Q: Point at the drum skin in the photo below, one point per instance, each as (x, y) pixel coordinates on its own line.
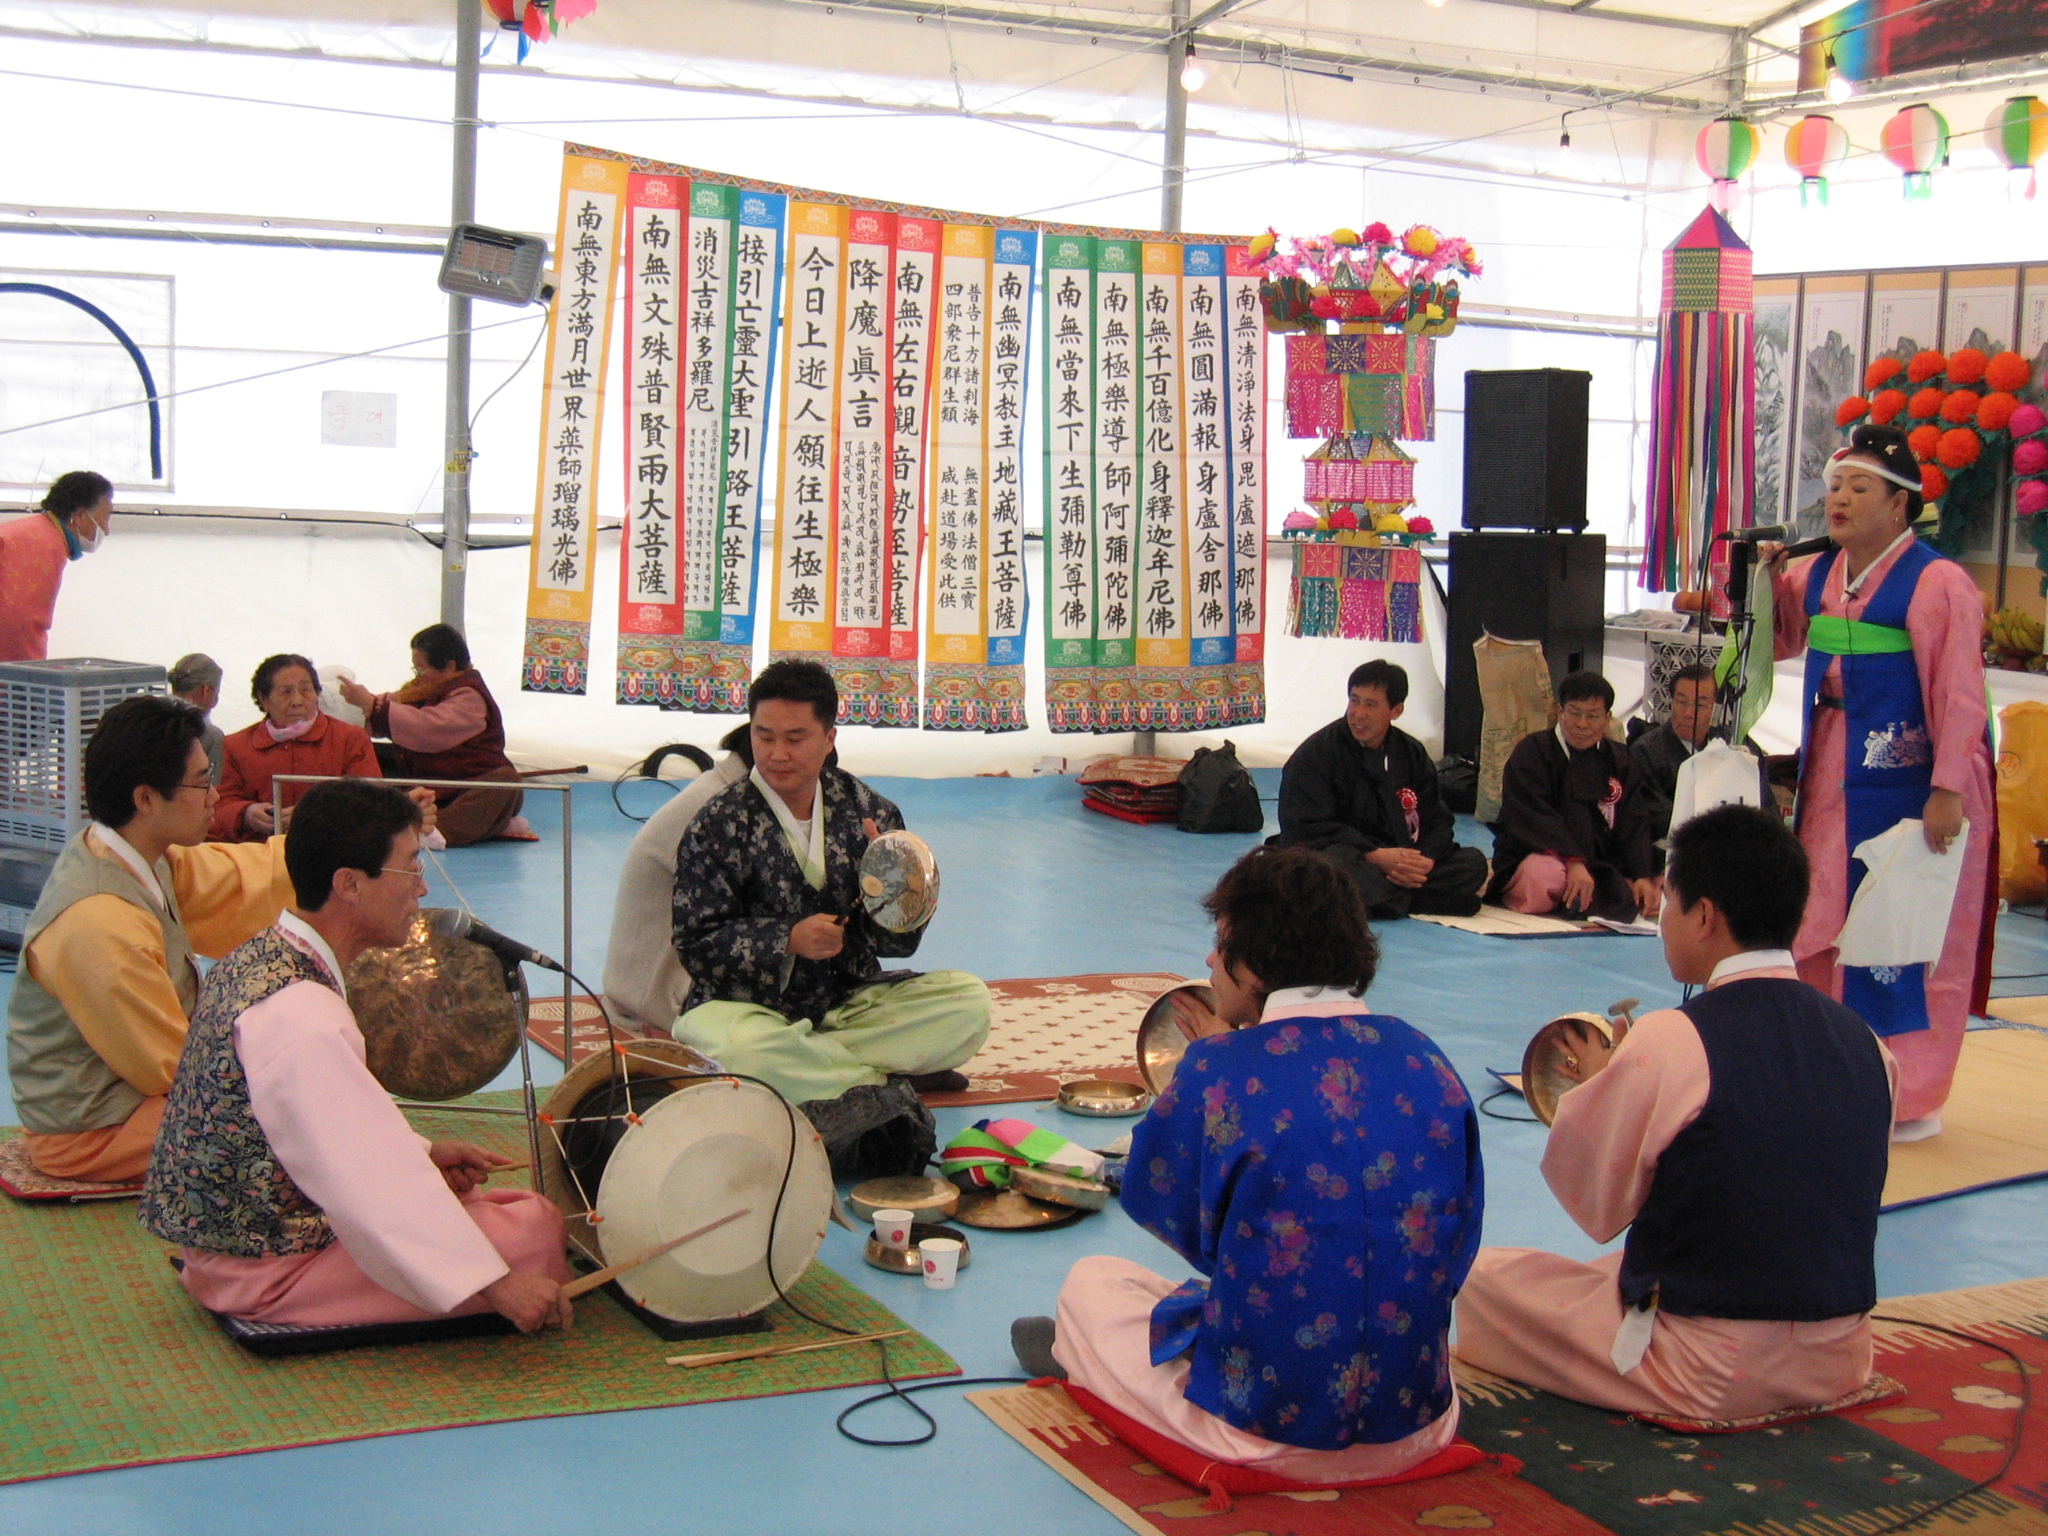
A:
(440, 1014)
(706, 1150)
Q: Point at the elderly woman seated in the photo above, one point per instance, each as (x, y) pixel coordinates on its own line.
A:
(444, 724)
(293, 737)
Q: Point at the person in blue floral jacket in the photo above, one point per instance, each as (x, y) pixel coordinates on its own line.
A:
(1318, 1165)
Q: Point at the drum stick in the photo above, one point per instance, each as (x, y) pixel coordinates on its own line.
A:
(724, 1356)
(610, 1272)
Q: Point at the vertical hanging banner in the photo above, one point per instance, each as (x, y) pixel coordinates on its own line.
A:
(1006, 602)
(1162, 678)
(915, 327)
(1205, 409)
(1069, 483)
(587, 238)
(801, 623)
(660, 454)
(1117, 426)
(956, 646)
(721, 664)
(874, 689)
(1245, 403)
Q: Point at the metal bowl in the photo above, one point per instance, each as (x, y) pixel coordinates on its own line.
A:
(927, 1199)
(1058, 1188)
(1545, 1078)
(1161, 1040)
(1105, 1097)
(1012, 1210)
(899, 881)
(904, 1261)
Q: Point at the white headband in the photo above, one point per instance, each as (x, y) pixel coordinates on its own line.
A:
(1841, 456)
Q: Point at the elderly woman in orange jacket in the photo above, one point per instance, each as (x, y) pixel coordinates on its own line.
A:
(34, 550)
(292, 737)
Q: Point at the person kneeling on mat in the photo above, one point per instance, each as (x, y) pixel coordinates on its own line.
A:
(1741, 1139)
(283, 1170)
(785, 980)
(1320, 1164)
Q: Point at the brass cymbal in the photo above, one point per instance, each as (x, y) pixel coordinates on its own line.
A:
(440, 1014)
(1553, 1056)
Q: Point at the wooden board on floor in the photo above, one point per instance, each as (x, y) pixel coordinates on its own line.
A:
(2031, 1011)
(1994, 1128)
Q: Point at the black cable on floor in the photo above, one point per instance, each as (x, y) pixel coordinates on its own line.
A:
(931, 1424)
(1505, 1092)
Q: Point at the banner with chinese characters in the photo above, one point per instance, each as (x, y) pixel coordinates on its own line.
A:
(702, 262)
(587, 238)
(1154, 485)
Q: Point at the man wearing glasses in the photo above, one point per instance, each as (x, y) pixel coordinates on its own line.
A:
(108, 971)
(1572, 835)
(285, 1172)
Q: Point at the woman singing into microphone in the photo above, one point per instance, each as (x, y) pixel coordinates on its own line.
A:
(1894, 730)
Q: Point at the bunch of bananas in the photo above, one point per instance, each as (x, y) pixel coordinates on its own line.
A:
(2013, 640)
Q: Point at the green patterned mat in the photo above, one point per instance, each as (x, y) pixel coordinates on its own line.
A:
(105, 1362)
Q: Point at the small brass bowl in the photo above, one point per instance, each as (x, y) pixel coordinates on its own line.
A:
(1104, 1097)
(927, 1199)
(905, 1261)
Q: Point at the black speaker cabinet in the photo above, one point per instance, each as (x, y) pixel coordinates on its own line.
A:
(1520, 586)
(1525, 448)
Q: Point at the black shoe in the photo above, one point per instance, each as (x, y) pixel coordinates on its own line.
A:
(1031, 1341)
(940, 1082)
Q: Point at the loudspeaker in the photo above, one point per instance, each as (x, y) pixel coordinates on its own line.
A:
(1525, 448)
(1520, 586)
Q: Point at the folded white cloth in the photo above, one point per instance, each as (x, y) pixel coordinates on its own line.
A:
(1901, 912)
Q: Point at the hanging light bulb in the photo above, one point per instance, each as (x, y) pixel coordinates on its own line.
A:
(1840, 87)
(1435, 5)
(1564, 135)
(1193, 74)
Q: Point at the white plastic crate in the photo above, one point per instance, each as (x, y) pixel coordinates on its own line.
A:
(48, 710)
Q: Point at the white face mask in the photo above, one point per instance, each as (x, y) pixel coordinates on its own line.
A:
(90, 537)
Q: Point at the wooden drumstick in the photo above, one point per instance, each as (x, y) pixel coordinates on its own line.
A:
(610, 1272)
(725, 1356)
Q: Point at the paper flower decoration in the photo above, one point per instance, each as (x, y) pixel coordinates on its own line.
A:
(1885, 406)
(1418, 524)
(1933, 483)
(1966, 366)
(1815, 145)
(1915, 139)
(2031, 498)
(1924, 366)
(1959, 448)
(1298, 520)
(1420, 241)
(1959, 406)
(2027, 420)
(1996, 411)
(2030, 458)
(2017, 132)
(1925, 404)
(1882, 371)
(1343, 517)
(2008, 371)
(1378, 234)
(1922, 440)
(1855, 408)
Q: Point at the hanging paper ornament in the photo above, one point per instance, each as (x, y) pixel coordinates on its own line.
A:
(1726, 149)
(1815, 146)
(2018, 133)
(1915, 139)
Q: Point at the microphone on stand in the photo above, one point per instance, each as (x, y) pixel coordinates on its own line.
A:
(1776, 533)
(511, 951)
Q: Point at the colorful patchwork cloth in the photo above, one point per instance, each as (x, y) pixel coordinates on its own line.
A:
(984, 1153)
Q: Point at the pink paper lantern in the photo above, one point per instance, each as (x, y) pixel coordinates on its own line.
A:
(2026, 421)
(2031, 497)
(2030, 457)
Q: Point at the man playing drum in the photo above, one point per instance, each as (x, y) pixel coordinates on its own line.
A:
(285, 1172)
(786, 976)
(1742, 1141)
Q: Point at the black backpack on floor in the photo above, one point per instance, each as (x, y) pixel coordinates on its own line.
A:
(1217, 793)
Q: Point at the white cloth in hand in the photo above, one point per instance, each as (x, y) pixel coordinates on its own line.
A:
(1901, 912)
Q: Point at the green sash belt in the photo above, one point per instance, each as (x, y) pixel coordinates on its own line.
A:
(1836, 636)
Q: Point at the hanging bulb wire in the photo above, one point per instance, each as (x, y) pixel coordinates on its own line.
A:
(1193, 73)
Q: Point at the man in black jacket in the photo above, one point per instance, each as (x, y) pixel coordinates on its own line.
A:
(1364, 794)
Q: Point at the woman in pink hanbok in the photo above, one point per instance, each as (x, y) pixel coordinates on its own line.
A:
(1895, 717)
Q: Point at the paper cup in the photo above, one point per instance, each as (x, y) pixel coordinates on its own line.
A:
(939, 1257)
(892, 1229)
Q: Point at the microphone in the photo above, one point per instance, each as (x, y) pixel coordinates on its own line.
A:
(511, 951)
(1767, 533)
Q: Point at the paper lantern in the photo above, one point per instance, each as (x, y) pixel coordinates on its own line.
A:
(1815, 146)
(1915, 139)
(1726, 149)
(2017, 131)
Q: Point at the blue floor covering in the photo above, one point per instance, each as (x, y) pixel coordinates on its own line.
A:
(1033, 886)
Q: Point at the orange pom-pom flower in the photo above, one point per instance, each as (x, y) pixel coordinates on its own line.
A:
(1926, 404)
(1959, 406)
(1966, 365)
(2008, 372)
(1855, 408)
(1922, 440)
(1882, 372)
(1924, 366)
(1885, 406)
(1995, 412)
(1958, 448)
(1933, 483)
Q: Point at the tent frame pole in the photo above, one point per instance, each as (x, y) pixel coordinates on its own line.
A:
(455, 423)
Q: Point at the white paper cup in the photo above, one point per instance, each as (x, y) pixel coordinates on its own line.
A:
(892, 1229)
(939, 1258)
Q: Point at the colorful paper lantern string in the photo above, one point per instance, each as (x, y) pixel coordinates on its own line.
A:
(1915, 139)
(2017, 131)
(1814, 146)
(1726, 149)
